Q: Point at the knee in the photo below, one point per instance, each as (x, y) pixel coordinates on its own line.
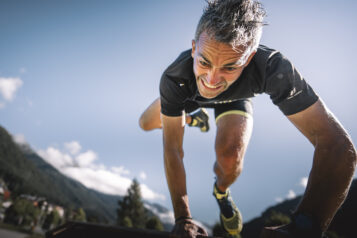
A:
(143, 124)
(230, 159)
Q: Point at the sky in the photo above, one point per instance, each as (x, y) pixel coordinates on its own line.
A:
(75, 77)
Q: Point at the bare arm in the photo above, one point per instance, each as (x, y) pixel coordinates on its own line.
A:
(173, 131)
(333, 165)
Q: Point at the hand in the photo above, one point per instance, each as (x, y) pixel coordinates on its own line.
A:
(188, 229)
(276, 232)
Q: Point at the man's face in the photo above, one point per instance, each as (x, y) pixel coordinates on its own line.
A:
(216, 65)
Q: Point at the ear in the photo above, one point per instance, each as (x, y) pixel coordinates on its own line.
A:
(250, 58)
(193, 48)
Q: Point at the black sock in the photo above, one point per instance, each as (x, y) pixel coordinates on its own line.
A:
(225, 205)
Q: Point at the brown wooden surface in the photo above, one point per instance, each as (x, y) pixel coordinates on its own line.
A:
(272, 232)
(89, 230)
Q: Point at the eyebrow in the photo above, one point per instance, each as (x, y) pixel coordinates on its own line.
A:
(229, 64)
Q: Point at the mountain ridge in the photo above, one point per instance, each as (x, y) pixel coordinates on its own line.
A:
(343, 223)
(28, 173)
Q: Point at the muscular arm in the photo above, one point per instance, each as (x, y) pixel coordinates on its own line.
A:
(173, 130)
(333, 164)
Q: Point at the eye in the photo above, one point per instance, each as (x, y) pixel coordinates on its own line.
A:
(230, 68)
(204, 63)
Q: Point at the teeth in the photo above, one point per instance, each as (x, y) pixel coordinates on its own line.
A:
(210, 86)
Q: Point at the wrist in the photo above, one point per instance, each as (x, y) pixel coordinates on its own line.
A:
(181, 207)
(183, 219)
(304, 225)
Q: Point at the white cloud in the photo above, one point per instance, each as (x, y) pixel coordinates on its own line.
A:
(303, 182)
(120, 170)
(86, 159)
(166, 217)
(19, 139)
(99, 179)
(291, 194)
(147, 193)
(56, 158)
(142, 175)
(73, 147)
(9, 86)
(84, 168)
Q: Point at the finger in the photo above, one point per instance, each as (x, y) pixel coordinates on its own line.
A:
(202, 231)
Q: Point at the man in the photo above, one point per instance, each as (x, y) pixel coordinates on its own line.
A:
(224, 69)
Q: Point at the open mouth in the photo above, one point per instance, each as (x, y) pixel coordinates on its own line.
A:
(210, 87)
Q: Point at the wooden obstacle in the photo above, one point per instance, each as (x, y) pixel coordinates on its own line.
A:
(90, 230)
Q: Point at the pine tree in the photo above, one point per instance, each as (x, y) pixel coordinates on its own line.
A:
(21, 212)
(154, 223)
(277, 219)
(132, 207)
(80, 215)
(52, 220)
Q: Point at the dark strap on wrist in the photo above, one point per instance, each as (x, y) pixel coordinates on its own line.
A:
(181, 218)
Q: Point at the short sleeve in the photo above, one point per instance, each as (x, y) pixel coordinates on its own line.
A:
(172, 96)
(286, 87)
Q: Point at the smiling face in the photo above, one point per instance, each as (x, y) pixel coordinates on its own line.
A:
(216, 65)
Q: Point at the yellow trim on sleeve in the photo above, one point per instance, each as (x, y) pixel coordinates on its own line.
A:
(234, 112)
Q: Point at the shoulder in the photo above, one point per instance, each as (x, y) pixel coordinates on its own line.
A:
(179, 76)
(265, 54)
(259, 69)
(175, 84)
(272, 63)
(269, 59)
(182, 67)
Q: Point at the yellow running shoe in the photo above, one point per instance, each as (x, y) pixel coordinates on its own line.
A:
(230, 217)
(200, 120)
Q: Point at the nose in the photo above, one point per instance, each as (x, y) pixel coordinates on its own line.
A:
(213, 77)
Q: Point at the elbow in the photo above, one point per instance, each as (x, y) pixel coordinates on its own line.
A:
(349, 151)
(353, 156)
(344, 150)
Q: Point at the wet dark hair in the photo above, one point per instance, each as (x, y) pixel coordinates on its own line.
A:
(235, 22)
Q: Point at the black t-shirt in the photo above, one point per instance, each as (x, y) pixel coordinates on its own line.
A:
(268, 72)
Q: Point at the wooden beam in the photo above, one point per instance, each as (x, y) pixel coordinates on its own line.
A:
(91, 230)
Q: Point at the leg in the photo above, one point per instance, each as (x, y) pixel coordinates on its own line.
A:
(233, 134)
(150, 119)
(234, 128)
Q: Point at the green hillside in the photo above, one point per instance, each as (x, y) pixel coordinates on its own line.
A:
(27, 173)
(343, 223)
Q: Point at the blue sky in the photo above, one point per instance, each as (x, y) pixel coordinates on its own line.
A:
(76, 75)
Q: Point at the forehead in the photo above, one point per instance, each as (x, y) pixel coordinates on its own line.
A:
(217, 51)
